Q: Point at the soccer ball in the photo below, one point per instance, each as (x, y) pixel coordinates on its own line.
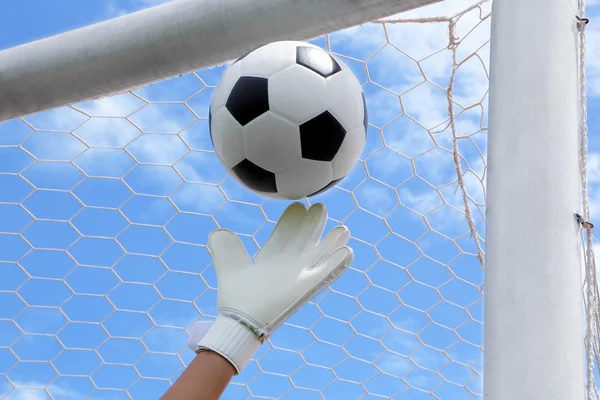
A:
(288, 120)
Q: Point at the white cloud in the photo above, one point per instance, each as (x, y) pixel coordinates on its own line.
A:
(378, 199)
(427, 103)
(593, 55)
(396, 365)
(594, 183)
(112, 8)
(188, 197)
(422, 202)
(152, 3)
(34, 390)
(445, 8)
(410, 142)
(117, 105)
(594, 167)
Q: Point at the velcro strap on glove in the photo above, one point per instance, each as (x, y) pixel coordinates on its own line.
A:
(229, 338)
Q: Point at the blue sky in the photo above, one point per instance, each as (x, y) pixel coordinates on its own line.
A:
(107, 205)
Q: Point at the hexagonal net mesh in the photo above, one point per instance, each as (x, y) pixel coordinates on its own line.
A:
(106, 205)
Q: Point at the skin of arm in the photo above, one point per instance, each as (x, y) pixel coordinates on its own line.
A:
(205, 378)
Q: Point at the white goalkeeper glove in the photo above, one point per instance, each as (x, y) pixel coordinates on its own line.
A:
(255, 298)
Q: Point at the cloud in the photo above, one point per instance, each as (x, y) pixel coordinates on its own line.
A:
(189, 198)
(594, 182)
(378, 199)
(593, 59)
(34, 390)
(427, 103)
(118, 105)
(594, 167)
(446, 8)
(113, 9)
(422, 202)
(152, 3)
(396, 365)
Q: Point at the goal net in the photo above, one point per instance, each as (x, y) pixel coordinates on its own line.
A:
(105, 208)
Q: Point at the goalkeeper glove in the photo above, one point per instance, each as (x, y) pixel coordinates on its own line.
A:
(255, 297)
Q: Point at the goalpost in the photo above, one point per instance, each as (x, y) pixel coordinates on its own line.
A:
(533, 318)
(165, 41)
(534, 346)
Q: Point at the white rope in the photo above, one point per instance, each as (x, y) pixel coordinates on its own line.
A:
(591, 283)
(453, 43)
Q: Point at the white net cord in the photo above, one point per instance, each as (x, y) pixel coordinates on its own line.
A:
(591, 301)
(453, 42)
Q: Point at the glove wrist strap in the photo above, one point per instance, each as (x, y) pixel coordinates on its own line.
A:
(231, 340)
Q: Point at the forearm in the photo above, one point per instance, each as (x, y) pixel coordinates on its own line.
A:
(205, 378)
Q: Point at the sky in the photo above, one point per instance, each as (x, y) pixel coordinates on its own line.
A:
(106, 207)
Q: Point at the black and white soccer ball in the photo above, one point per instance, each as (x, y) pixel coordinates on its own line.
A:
(288, 120)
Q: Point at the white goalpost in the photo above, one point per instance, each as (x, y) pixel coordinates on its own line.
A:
(165, 41)
(533, 302)
(533, 331)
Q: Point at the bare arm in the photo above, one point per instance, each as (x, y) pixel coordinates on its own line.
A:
(205, 378)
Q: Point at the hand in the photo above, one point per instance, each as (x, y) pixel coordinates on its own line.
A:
(255, 297)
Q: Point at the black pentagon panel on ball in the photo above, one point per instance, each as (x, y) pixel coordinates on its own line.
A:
(321, 137)
(366, 117)
(327, 187)
(249, 99)
(210, 127)
(317, 60)
(255, 177)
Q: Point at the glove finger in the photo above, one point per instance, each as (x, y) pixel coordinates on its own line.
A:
(329, 270)
(310, 231)
(311, 282)
(284, 231)
(338, 237)
(227, 250)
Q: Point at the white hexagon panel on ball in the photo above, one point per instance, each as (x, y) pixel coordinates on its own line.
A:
(288, 120)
